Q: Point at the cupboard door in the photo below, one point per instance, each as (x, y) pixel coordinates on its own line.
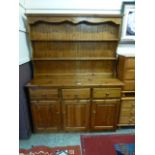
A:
(46, 115)
(104, 114)
(76, 115)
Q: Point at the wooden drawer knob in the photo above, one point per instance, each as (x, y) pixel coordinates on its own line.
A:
(94, 112)
(107, 94)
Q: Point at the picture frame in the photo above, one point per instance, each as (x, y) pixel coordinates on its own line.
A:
(128, 23)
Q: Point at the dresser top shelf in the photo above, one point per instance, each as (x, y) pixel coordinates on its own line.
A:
(74, 81)
(74, 50)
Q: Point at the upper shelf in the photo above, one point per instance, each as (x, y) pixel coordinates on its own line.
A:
(73, 50)
(83, 58)
(73, 18)
(74, 28)
(73, 40)
(70, 32)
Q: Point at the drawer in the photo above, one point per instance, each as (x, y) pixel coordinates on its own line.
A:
(129, 74)
(124, 120)
(106, 92)
(127, 120)
(127, 112)
(132, 120)
(130, 63)
(83, 93)
(129, 85)
(43, 93)
(128, 103)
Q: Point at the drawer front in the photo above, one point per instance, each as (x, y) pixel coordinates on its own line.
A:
(76, 93)
(128, 103)
(106, 92)
(127, 112)
(43, 93)
(130, 63)
(129, 74)
(124, 120)
(127, 120)
(129, 85)
(132, 120)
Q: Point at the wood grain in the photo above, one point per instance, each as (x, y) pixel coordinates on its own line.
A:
(76, 93)
(74, 63)
(76, 115)
(74, 50)
(104, 114)
(127, 111)
(46, 115)
(43, 93)
(76, 81)
(126, 72)
(73, 18)
(72, 67)
(106, 92)
(69, 32)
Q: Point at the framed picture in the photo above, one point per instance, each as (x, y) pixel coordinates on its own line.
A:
(128, 25)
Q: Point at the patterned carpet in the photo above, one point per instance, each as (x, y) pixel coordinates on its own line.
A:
(44, 150)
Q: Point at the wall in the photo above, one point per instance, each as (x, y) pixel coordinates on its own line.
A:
(25, 74)
(61, 6)
(24, 45)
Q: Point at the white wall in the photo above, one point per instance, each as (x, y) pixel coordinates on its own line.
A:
(78, 6)
(24, 48)
(65, 6)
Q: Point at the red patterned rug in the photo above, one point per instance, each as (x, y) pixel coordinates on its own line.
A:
(108, 145)
(44, 150)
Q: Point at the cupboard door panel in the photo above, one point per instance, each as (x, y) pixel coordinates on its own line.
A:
(46, 115)
(76, 115)
(104, 114)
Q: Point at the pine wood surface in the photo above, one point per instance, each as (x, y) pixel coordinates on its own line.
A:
(74, 81)
(126, 72)
(104, 114)
(75, 87)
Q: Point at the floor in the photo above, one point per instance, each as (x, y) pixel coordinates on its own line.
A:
(64, 139)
